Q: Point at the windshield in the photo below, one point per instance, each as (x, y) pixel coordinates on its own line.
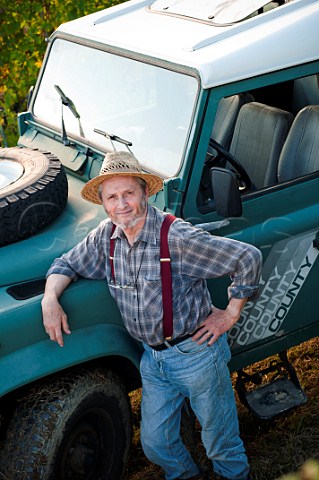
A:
(149, 106)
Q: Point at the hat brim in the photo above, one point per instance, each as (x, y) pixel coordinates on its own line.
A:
(90, 191)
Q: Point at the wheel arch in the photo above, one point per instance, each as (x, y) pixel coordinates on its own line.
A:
(105, 345)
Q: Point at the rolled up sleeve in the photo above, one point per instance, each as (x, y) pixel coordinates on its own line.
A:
(245, 279)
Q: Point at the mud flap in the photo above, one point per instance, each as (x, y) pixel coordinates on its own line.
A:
(275, 397)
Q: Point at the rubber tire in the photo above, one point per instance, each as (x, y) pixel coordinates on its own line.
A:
(36, 198)
(38, 444)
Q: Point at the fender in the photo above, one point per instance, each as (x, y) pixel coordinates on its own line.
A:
(95, 323)
(46, 357)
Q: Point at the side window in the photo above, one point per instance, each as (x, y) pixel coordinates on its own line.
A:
(271, 132)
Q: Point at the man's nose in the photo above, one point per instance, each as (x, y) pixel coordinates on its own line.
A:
(122, 202)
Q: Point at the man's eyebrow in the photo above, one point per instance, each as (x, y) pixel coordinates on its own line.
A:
(116, 191)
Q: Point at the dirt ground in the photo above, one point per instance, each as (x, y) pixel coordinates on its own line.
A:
(275, 447)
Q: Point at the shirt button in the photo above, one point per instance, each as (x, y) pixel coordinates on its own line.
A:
(134, 319)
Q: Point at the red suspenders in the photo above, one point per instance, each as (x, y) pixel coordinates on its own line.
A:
(166, 274)
(112, 247)
(166, 277)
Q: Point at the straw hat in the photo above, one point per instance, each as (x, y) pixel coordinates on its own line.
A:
(119, 164)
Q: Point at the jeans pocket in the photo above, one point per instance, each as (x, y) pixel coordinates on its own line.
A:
(189, 347)
(224, 348)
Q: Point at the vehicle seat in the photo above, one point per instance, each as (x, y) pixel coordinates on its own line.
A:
(305, 92)
(222, 132)
(226, 115)
(259, 136)
(300, 154)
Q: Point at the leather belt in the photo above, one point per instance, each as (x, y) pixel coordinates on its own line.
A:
(171, 343)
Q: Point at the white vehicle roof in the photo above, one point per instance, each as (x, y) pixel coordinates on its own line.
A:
(211, 36)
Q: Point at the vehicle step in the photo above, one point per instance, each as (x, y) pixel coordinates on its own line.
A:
(274, 398)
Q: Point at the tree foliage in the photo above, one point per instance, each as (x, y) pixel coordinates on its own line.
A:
(24, 26)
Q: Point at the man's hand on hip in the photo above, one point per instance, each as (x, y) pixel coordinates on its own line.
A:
(219, 322)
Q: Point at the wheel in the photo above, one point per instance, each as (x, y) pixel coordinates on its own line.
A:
(33, 192)
(243, 177)
(74, 428)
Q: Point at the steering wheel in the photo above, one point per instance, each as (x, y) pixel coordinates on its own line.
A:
(243, 178)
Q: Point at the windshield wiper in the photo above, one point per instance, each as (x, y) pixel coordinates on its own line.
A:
(68, 103)
(115, 138)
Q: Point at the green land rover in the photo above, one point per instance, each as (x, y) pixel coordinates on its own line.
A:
(219, 98)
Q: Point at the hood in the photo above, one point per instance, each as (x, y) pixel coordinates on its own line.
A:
(30, 259)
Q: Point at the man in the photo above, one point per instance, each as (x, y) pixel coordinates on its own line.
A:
(193, 362)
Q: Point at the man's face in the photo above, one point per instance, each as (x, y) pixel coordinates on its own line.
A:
(124, 201)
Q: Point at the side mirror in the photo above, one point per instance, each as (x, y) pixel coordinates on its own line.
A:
(226, 192)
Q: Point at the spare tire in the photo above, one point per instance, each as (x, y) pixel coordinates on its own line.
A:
(33, 192)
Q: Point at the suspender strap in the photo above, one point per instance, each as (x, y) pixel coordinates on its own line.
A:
(166, 277)
(112, 247)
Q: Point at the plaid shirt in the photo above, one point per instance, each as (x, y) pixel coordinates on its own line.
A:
(195, 256)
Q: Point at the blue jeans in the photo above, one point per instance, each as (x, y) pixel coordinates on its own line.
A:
(200, 373)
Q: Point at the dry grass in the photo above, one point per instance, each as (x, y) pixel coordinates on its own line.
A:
(275, 447)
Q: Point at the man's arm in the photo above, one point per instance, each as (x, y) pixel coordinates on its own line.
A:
(86, 259)
(219, 321)
(54, 317)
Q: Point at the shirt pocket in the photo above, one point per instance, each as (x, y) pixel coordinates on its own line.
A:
(152, 298)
